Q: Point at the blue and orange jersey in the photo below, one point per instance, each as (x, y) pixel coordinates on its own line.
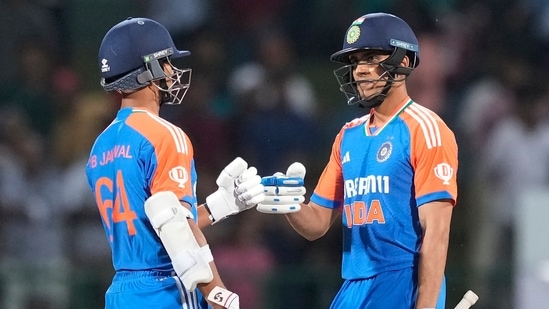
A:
(379, 179)
(137, 155)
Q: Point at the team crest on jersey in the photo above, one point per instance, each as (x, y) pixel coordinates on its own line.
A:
(180, 175)
(384, 152)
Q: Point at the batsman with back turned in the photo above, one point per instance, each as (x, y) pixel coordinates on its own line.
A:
(390, 178)
(142, 172)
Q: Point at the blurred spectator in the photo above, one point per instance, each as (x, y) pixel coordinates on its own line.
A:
(276, 124)
(181, 17)
(250, 15)
(72, 138)
(490, 96)
(32, 264)
(66, 87)
(428, 83)
(515, 159)
(31, 88)
(209, 59)
(540, 10)
(483, 104)
(245, 260)
(277, 106)
(242, 20)
(22, 19)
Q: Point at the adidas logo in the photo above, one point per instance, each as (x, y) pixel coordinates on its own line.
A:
(346, 158)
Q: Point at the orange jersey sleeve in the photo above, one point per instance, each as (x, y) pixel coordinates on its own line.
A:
(174, 154)
(433, 153)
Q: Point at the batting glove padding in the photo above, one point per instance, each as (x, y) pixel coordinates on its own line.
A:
(239, 189)
(284, 193)
(224, 297)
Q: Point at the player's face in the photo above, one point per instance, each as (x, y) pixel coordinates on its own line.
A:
(369, 75)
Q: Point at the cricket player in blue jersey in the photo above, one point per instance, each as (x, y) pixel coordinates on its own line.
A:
(142, 172)
(391, 178)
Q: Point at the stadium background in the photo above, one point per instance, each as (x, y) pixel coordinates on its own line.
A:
(263, 89)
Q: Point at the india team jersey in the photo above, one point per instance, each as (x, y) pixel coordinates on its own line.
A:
(378, 180)
(136, 156)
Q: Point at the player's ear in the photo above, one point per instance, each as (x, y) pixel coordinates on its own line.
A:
(168, 70)
(405, 61)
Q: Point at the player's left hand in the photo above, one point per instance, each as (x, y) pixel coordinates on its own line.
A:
(239, 189)
(284, 193)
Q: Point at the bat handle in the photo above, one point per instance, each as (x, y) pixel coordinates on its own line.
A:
(468, 300)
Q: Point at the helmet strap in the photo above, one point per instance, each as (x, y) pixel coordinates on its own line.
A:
(164, 96)
(392, 63)
(154, 71)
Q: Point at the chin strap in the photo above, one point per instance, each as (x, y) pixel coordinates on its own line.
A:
(392, 64)
(164, 96)
(376, 100)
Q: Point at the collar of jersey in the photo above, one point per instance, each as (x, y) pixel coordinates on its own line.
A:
(141, 110)
(406, 103)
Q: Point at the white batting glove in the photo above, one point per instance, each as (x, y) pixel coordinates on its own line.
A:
(239, 189)
(284, 193)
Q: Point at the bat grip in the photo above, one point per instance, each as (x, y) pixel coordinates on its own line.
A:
(468, 300)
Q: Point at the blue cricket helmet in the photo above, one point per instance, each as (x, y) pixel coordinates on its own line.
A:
(378, 31)
(129, 53)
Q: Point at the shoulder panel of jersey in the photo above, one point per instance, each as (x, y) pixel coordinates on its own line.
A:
(174, 154)
(355, 122)
(329, 191)
(433, 155)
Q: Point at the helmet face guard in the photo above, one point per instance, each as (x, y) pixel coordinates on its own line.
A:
(391, 66)
(349, 86)
(381, 32)
(175, 86)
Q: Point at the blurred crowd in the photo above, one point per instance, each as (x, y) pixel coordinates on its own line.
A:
(263, 89)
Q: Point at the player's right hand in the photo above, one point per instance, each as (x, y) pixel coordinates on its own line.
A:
(284, 193)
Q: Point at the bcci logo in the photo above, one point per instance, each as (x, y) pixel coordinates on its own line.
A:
(445, 172)
(180, 175)
(384, 152)
(353, 34)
